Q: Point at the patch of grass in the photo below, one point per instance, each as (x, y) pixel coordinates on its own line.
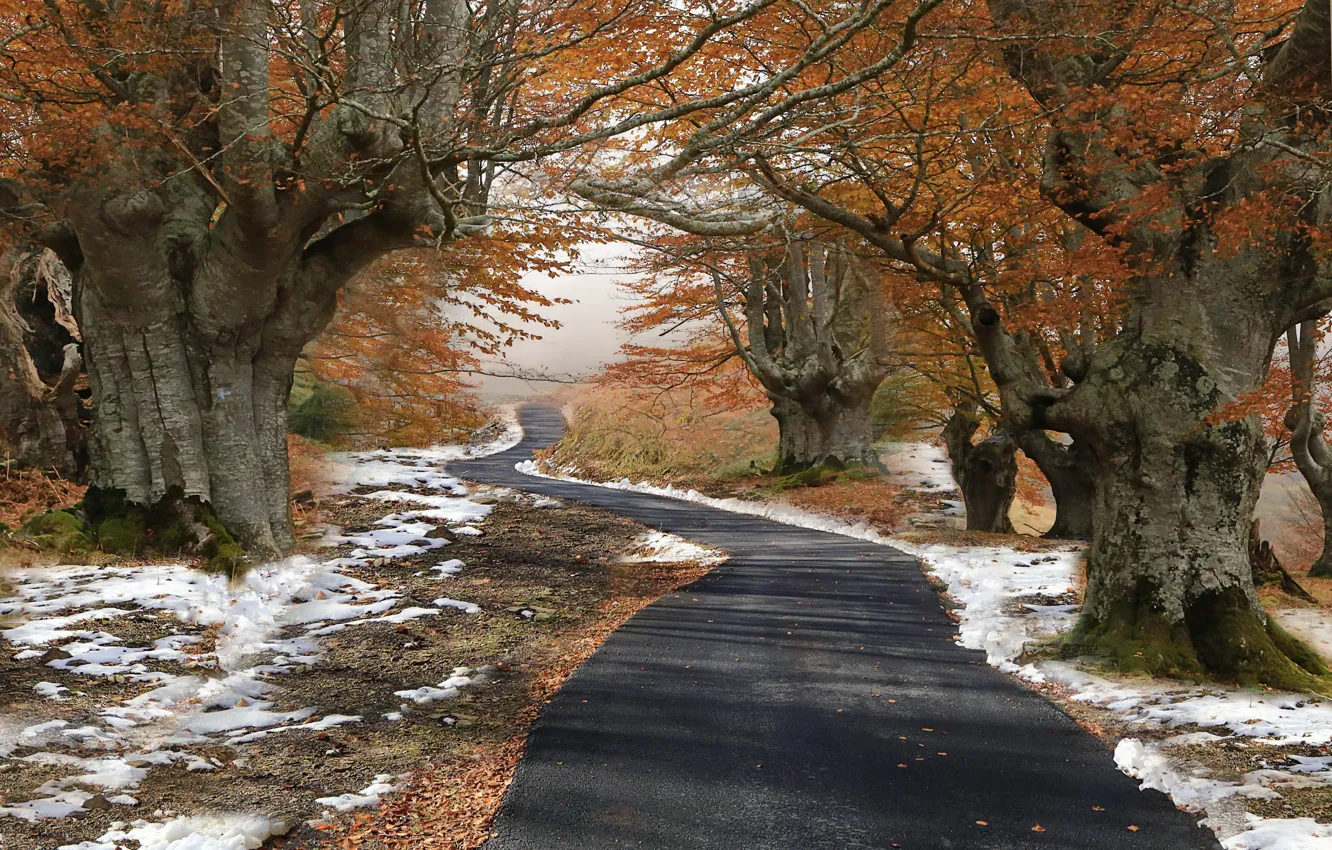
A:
(671, 437)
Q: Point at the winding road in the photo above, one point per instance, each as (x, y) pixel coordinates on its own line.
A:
(808, 695)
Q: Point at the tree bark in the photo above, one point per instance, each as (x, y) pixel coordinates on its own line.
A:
(1069, 471)
(817, 341)
(838, 432)
(986, 472)
(1169, 578)
(40, 410)
(1307, 425)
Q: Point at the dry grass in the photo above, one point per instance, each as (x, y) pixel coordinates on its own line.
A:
(308, 462)
(664, 436)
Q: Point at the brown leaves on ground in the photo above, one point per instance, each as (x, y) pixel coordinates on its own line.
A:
(27, 492)
(877, 501)
(451, 804)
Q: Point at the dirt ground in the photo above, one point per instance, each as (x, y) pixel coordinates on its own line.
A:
(550, 587)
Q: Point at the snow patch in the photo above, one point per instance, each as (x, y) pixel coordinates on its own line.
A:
(661, 547)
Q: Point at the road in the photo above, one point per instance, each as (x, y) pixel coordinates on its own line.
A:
(806, 695)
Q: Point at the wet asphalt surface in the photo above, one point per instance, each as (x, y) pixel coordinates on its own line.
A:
(806, 695)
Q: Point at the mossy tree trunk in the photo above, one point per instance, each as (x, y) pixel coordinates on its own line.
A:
(985, 471)
(1068, 469)
(816, 338)
(196, 287)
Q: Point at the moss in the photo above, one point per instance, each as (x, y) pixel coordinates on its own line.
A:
(1222, 637)
(123, 535)
(1135, 639)
(54, 523)
(1295, 649)
(221, 550)
(61, 531)
(830, 471)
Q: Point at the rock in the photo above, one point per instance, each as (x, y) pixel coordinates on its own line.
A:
(97, 802)
(55, 653)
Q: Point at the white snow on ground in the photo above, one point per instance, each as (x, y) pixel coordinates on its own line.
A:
(662, 548)
(76, 608)
(920, 466)
(1010, 600)
(211, 832)
(363, 799)
(462, 677)
(1312, 625)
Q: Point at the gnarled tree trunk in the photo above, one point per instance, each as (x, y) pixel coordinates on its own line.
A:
(40, 410)
(838, 433)
(1068, 468)
(817, 341)
(1307, 424)
(986, 472)
(191, 376)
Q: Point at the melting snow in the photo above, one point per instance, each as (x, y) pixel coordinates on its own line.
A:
(77, 608)
(366, 797)
(660, 547)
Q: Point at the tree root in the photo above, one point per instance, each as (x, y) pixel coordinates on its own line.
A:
(1222, 638)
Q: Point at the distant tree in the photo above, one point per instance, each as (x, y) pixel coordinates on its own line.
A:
(1308, 430)
(816, 336)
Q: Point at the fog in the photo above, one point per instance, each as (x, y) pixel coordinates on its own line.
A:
(588, 337)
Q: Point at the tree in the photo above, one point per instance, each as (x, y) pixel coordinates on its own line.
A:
(816, 337)
(1185, 144)
(985, 471)
(212, 174)
(1307, 428)
(1202, 181)
(410, 330)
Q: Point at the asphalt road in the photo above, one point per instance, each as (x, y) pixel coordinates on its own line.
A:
(806, 695)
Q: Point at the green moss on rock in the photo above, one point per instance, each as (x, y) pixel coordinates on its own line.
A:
(53, 522)
(60, 531)
(830, 471)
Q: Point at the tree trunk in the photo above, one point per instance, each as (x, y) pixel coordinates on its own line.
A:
(986, 472)
(1068, 469)
(1307, 425)
(173, 414)
(1267, 569)
(835, 430)
(1169, 579)
(40, 411)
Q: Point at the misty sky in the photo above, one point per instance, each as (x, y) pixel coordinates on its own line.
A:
(588, 337)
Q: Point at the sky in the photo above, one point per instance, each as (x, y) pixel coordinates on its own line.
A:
(588, 337)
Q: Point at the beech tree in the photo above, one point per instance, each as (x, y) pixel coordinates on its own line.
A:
(1186, 145)
(985, 470)
(815, 335)
(212, 174)
(1307, 424)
